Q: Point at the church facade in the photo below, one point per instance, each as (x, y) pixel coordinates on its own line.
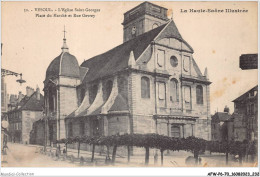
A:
(148, 84)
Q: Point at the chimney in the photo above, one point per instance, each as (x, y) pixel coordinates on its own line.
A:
(226, 109)
(29, 91)
(20, 96)
(38, 94)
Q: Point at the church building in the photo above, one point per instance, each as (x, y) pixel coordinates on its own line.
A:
(148, 84)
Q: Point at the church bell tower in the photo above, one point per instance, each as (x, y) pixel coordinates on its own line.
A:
(143, 18)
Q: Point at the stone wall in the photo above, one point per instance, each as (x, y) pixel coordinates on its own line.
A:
(68, 103)
(28, 117)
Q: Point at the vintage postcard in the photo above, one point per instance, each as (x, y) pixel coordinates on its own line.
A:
(129, 84)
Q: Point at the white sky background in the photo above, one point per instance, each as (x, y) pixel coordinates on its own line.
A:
(218, 39)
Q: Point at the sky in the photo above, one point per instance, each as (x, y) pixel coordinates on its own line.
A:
(30, 43)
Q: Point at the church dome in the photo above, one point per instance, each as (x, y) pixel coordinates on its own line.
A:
(64, 65)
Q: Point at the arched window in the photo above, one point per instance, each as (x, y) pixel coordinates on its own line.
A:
(145, 87)
(95, 126)
(187, 97)
(199, 93)
(174, 95)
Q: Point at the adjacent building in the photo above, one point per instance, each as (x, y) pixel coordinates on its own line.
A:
(23, 111)
(245, 117)
(4, 98)
(150, 83)
(220, 126)
(242, 124)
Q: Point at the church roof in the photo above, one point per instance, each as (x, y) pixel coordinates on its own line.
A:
(221, 116)
(65, 65)
(244, 96)
(116, 59)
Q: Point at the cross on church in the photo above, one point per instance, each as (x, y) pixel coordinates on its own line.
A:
(64, 32)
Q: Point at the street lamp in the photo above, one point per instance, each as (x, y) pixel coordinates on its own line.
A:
(5, 72)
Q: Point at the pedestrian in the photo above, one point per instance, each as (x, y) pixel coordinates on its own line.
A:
(4, 160)
(64, 152)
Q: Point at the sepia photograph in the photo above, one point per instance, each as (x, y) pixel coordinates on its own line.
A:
(129, 84)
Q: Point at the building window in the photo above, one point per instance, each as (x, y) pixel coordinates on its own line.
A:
(133, 31)
(252, 110)
(51, 101)
(95, 128)
(145, 87)
(199, 94)
(248, 109)
(174, 95)
(187, 97)
(187, 94)
(186, 64)
(82, 127)
(160, 58)
(161, 90)
(70, 129)
(174, 61)
(175, 131)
